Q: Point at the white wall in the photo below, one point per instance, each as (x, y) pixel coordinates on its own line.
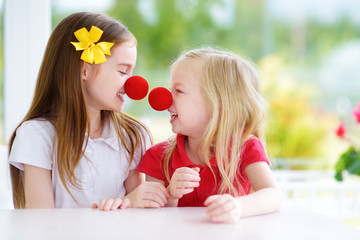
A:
(27, 26)
(5, 188)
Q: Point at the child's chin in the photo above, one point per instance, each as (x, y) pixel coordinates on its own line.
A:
(116, 109)
(174, 130)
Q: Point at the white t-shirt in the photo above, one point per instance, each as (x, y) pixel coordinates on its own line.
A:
(100, 175)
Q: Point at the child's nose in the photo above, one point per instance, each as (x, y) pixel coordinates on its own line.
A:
(136, 87)
(160, 99)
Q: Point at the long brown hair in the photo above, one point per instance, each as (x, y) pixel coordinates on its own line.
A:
(59, 99)
(230, 88)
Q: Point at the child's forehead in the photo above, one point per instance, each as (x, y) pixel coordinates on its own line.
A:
(187, 62)
(188, 67)
(186, 72)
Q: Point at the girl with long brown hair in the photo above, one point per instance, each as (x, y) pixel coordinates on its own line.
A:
(75, 146)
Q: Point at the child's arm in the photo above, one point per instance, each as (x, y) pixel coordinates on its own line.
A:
(266, 197)
(38, 187)
(182, 182)
(134, 179)
(139, 194)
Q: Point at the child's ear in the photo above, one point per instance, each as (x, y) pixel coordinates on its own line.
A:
(85, 70)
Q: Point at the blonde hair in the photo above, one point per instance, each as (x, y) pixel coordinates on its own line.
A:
(230, 89)
(59, 98)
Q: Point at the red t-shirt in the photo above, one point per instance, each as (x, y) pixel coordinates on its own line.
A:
(151, 164)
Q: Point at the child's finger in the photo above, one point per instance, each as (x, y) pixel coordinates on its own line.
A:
(219, 207)
(108, 204)
(186, 191)
(217, 203)
(186, 184)
(210, 199)
(188, 170)
(188, 177)
(180, 192)
(94, 205)
(157, 191)
(197, 169)
(162, 189)
(117, 202)
(125, 203)
(222, 218)
(150, 204)
(166, 192)
(156, 197)
(102, 203)
(230, 216)
(155, 187)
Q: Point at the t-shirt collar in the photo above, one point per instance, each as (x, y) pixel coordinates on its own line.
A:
(108, 135)
(180, 158)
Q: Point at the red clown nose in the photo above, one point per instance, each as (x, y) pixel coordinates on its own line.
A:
(160, 99)
(136, 87)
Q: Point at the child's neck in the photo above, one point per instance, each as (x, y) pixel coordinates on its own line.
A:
(191, 146)
(95, 125)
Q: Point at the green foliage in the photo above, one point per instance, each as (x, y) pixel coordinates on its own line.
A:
(349, 161)
(349, 132)
(180, 25)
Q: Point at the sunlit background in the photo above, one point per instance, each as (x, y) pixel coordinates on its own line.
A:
(308, 53)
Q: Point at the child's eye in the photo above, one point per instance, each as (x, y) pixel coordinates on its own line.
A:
(122, 73)
(176, 91)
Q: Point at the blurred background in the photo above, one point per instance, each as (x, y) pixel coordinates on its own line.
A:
(308, 53)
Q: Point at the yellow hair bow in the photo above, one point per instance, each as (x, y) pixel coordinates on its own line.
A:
(92, 52)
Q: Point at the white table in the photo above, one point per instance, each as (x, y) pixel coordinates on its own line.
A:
(167, 223)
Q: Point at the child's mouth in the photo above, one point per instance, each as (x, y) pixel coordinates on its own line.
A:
(173, 117)
(121, 95)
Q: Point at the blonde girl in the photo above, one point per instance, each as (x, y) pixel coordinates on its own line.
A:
(217, 155)
(75, 147)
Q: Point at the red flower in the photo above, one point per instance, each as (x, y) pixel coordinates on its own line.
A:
(356, 113)
(340, 131)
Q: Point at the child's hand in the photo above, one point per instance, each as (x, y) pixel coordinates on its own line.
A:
(112, 204)
(223, 208)
(148, 195)
(183, 181)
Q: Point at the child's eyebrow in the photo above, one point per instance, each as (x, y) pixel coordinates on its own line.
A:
(177, 84)
(125, 64)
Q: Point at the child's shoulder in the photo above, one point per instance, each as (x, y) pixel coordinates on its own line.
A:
(160, 147)
(38, 124)
(252, 144)
(252, 140)
(155, 152)
(253, 151)
(36, 132)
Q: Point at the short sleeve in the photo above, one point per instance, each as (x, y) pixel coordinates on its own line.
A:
(151, 163)
(33, 145)
(253, 151)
